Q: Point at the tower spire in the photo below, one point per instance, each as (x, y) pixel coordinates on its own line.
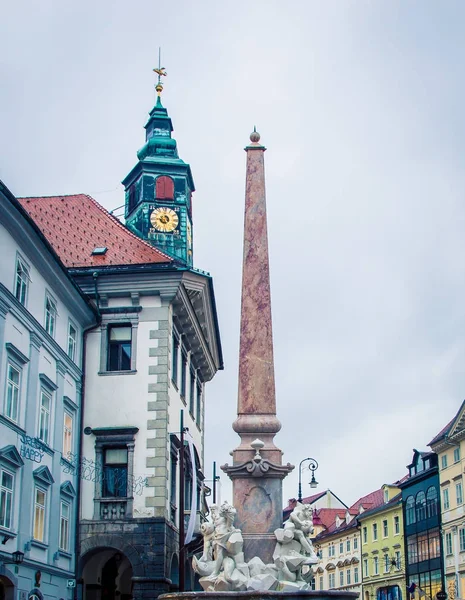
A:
(161, 72)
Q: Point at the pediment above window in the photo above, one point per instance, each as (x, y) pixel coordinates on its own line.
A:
(43, 474)
(10, 455)
(67, 489)
(16, 354)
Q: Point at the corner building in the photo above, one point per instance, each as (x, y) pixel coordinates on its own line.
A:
(155, 347)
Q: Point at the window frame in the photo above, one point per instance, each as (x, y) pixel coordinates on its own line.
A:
(65, 523)
(375, 565)
(356, 575)
(42, 508)
(396, 524)
(448, 543)
(4, 494)
(183, 383)
(365, 535)
(444, 461)
(66, 435)
(374, 531)
(459, 493)
(175, 359)
(72, 343)
(385, 528)
(51, 314)
(22, 293)
(462, 539)
(48, 416)
(445, 499)
(192, 390)
(114, 320)
(9, 413)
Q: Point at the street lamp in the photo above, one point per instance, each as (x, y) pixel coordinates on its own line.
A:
(313, 466)
(17, 559)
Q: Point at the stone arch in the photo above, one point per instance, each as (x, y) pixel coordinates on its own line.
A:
(174, 571)
(8, 584)
(98, 542)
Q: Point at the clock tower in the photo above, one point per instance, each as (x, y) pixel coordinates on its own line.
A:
(159, 188)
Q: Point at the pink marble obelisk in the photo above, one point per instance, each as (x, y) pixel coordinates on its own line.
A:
(257, 471)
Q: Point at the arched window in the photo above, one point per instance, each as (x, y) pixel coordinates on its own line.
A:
(421, 506)
(164, 188)
(432, 502)
(410, 510)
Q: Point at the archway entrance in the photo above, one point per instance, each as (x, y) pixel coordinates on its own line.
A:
(106, 575)
(7, 589)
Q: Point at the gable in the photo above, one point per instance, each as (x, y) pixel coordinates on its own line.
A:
(67, 489)
(44, 475)
(10, 455)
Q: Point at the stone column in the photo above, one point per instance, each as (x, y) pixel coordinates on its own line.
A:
(257, 471)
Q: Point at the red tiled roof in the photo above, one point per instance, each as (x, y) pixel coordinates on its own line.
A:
(75, 225)
(309, 500)
(327, 516)
(369, 501)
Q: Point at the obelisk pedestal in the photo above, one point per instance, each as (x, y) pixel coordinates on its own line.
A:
(257, 470)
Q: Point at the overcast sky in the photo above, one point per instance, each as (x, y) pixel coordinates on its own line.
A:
(360, 104)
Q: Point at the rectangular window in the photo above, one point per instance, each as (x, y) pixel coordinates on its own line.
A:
(348, 545)
(365, 535)
(64, 526)
(50, 315)
(321, 583)
(44, 416)
(175, 359)
(72, 341)
(376, 565)
(387, 563)
(398, 560)
(39, 514)
(115, 473)
(459, 493)
(355, 574)
(365, 567)
(198, 415)
(13, 384)
(445, 499)
(67, 435)
(348, 577)
(119, 348)
(396, 525)
(341, 547)
(456, 454)
(448, 543)
(375, 531)
(21, 281)
(462, 539)
(6, 499)
(192, 393)
(331, 550)
(332, 580)
(341, 578)
(385, 528)
(183, 374)
(355, 543)
(444, 461)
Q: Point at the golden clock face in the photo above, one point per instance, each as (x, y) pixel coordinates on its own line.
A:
(164, 219)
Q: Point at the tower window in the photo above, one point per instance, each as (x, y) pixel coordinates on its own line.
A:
(164, 188)
(119, 348)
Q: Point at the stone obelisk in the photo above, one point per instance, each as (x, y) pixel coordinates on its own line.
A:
(257, 470)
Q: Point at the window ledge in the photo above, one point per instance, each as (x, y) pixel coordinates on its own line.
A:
(39, 544)
(65, 554)
(106, 373)
(175, 385)
(8, 532)
(12, 425)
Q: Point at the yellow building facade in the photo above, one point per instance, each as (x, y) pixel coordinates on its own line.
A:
(382, 549)
(449, 445)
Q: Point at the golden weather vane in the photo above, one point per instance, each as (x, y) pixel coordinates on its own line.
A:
(161, 72)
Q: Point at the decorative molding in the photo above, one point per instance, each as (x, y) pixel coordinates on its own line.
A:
(47, 382)
(44, 475)
(257, 468)
(11, 455)
(67, 489)
(16, 353)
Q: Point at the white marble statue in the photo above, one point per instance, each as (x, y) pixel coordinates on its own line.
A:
(221, 565)
(222, 568)
(294, 554)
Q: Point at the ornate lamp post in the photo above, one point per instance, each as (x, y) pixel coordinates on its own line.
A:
(313, 466)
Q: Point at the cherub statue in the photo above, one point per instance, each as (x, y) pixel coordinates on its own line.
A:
(294, 549)
(222, 552)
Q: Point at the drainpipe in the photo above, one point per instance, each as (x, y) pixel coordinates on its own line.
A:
(86, 331)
